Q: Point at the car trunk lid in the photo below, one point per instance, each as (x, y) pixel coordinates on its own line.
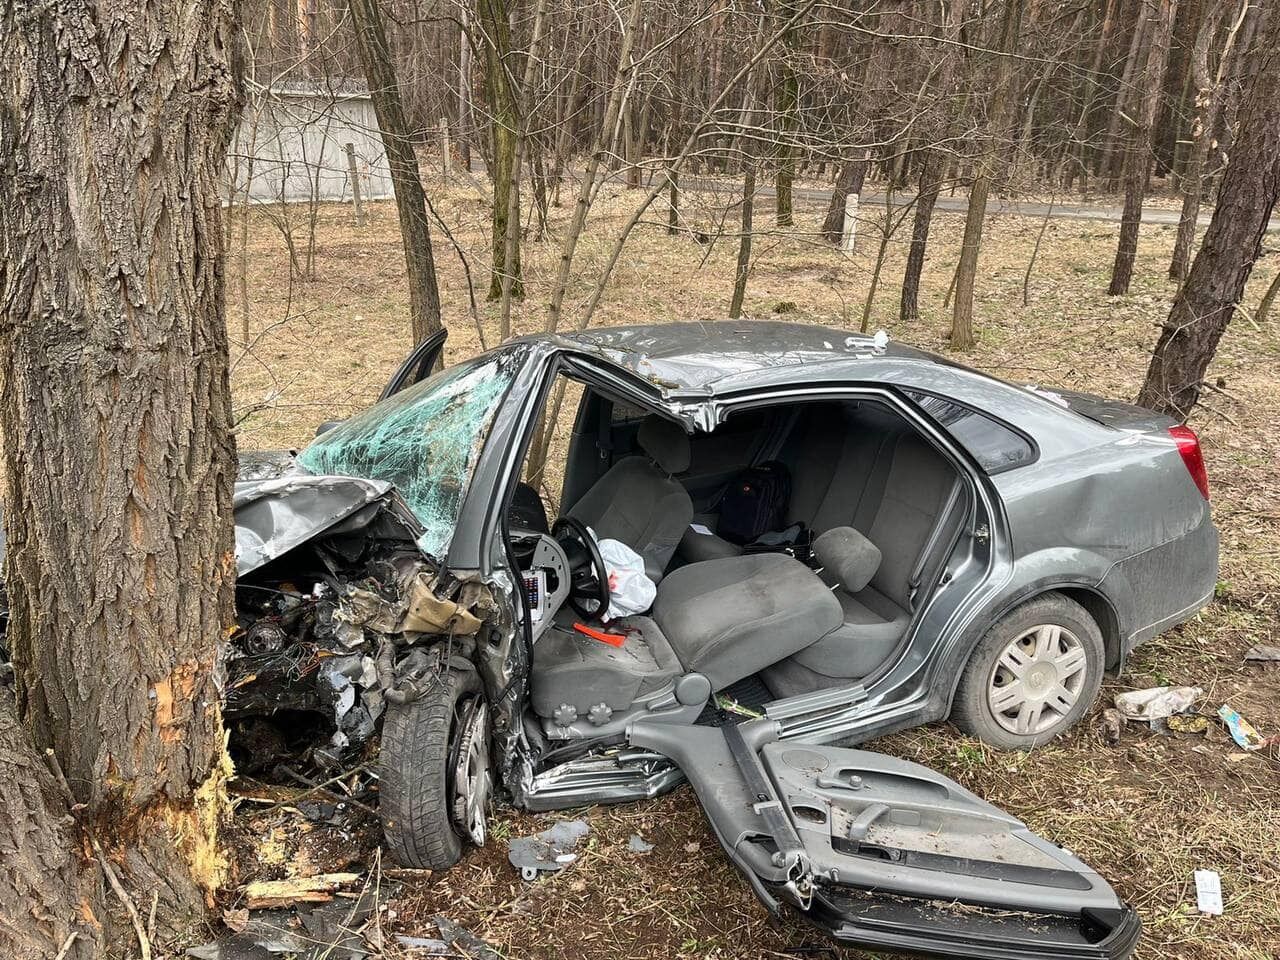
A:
(1109, 413)
(881, 853)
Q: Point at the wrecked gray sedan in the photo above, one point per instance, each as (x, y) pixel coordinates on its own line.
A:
(842, 538)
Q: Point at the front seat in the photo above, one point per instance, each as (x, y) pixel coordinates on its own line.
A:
(639, 502)
(727, 619)
(713, 624)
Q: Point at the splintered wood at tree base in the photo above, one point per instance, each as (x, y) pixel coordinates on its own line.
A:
(272, 894)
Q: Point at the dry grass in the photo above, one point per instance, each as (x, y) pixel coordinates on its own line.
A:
(1145, 813)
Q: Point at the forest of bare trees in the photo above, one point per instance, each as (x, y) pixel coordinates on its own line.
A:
(115, 407)
(546, 101)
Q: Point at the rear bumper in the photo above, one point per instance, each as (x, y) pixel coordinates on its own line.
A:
(941, 930)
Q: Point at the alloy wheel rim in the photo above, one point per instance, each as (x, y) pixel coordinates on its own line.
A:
(471, 779)
(1037, 680)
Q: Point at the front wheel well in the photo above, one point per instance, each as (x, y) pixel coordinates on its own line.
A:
(1104, 615)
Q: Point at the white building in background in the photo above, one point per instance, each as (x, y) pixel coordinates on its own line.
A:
(291, 145)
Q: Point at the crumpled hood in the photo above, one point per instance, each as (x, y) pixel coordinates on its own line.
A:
(275, 515)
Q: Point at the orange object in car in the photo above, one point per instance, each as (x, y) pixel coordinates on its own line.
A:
(612, 639)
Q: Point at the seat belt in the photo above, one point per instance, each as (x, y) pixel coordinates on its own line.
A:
(604, 438)
(931, 542)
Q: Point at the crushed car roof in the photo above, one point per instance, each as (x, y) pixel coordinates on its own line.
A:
(695, 361)
(695, 356)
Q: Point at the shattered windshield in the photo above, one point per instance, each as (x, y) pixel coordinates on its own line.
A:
(425, 439)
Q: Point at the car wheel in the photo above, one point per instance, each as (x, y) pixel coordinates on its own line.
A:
(434, 773)
(1032, 676)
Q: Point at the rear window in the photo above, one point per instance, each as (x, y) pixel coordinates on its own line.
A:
(995, 446)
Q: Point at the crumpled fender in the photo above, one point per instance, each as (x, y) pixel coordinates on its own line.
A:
(277, 515)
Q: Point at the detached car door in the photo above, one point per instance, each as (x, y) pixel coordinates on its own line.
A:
(884, 854)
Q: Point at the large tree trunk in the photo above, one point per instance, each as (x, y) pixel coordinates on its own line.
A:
(411, 200)
(988, 160)
(116, 415)
(494, 18)
(43, 883)
(1137, 155)
(1246, 196)
(930, 185)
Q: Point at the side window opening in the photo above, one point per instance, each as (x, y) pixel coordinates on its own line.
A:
(995, 446)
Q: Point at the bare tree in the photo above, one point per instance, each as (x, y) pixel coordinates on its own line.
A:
(1246, 197)
(1208, 102)
(1137, 154)
(1001, 102)
(787, 104)
(494, 21)
(934, 164)
(411, 200)
(118, 465)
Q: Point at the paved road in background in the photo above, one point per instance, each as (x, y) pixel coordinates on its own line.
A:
(1016, 208)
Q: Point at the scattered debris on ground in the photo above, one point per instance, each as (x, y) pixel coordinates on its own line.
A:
(1188, 723)
(638, 844)
(1157, 703)
(549, 851)
(1263, 653)
(269, 894)
(464, 941)
(1241, 730)
(1209, 892)
(1111, 723)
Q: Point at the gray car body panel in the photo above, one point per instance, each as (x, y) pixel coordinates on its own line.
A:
(882, 853)
(1110, 510)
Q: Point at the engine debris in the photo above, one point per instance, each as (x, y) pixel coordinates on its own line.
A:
(330, 633)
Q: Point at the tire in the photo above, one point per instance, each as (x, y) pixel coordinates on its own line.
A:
(991, 677)
(418, 752)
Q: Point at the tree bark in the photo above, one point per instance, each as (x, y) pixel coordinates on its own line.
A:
(1208, 101)
(43, 884)
(116, 414)
(926, 198)
(494, 17)
(787, 102)
(743, 267)
(406, 178)
(1137, 154)
(1247, 195)
(523, 116)
(1268, 301)
(466, 126)
(971, 243)
(932, 170)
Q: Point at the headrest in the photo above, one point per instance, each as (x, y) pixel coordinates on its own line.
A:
(665, 442)
(851, 557)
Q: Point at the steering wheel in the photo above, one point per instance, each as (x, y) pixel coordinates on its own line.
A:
(588, 576)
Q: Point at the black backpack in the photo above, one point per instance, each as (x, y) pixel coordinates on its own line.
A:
(755, 503)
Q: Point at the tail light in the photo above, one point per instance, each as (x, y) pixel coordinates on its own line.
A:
(1189, 449)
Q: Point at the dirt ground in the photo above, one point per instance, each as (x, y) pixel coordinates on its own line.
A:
(1144, 813)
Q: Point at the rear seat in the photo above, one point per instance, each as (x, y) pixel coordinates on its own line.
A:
(838, 460)
(918, 489)
(838, 464)
(855, 465)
